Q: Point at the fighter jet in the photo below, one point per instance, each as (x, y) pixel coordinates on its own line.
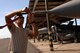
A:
(70, 9)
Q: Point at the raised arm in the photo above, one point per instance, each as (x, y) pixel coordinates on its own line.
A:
(31, 21)
(34, 31)
(8, 17)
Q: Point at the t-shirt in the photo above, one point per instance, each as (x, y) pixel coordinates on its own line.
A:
(19, 39)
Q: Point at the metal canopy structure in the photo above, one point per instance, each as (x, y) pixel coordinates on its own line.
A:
(39, 5)
(47, 19)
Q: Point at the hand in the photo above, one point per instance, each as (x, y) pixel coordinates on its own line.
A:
(30, 18)
(26, 10)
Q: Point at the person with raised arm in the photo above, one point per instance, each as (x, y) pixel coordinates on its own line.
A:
(19, 34)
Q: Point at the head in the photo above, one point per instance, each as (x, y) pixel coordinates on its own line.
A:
(20, 21)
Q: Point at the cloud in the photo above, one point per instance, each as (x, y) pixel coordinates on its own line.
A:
(4, 33)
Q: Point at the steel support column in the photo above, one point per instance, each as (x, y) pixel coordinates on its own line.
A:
(49, 27)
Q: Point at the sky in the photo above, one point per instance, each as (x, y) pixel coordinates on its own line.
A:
(7, 6)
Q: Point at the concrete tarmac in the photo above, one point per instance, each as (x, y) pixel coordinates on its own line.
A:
(4, 43)
(43, 46)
